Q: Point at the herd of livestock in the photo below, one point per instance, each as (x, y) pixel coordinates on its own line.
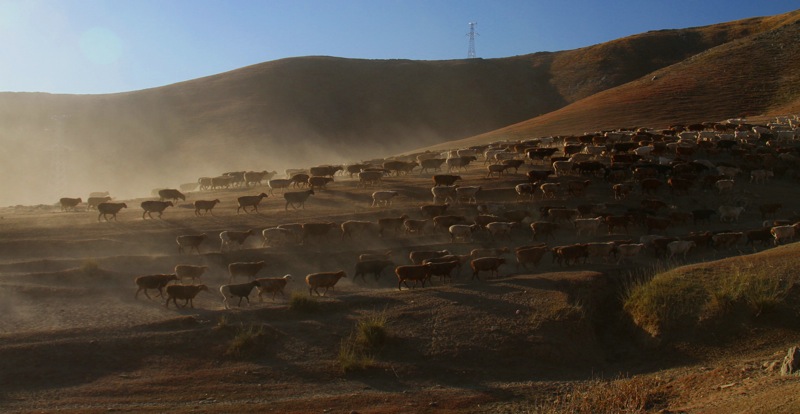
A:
(597, 188)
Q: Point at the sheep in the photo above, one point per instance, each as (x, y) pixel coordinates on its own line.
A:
(241, 290)
(357, 226)
(185, 292)
(278, 184)
(256, 177)
(207, 205)
(724, 185)
(69, 203)
(461, 232)
(170, 194)
(272, 285)
(387, 255)
(297, 198)
(383, 198)
(153, 282)
(247, 269)
(189, 271)
(418, 256)
(729, 213)
(299, 180)
(391, 223)
(109, 208)
(249, 201)
(500, 228)
(525, 190)
(443, 269)
(442, 194)
(323, 279)
(369, 178)
(490, 264)
(498, 169)
(316, 230)
(153, 206)
(277, 236)
(190, 241)
(433, 210)
(319, 182)
(417, 273)
(93, 202)
(531, 255)
(228, 237)
(415, 226)
(468, 194)
(374, 267)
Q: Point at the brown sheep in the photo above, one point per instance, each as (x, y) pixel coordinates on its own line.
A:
(391, 223)
(93, 202)
(373, 267)
(417, 273)
(207, 205)
(190, 271)
(323, 279)
(153, 206)
(185, 292)
(246, 269)
(249, 201)
(171, 194)
(109, 208)
(241, 290)
(190, 241)
(490, 264)
(69, 203)
(153, 282)
(272, 285)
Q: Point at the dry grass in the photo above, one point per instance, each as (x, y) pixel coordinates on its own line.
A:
(621, 395)
(674, 300)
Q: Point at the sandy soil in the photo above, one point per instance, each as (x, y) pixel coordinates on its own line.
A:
(73, 337)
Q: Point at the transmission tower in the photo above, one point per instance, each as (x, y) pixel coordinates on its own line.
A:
(471, 52)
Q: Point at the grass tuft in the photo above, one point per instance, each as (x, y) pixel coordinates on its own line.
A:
(302, 303)
(248, 341)
(358, 350)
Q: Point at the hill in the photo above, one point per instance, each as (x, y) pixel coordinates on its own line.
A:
(750, 77)
(310, 110)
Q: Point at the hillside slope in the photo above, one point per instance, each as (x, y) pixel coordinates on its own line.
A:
(310, 110)
(750, 77)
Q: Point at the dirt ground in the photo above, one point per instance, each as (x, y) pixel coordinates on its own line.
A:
(74, 339)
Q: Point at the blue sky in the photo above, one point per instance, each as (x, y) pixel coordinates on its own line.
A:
(107, 46)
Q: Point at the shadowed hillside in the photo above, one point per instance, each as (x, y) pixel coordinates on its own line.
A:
(304, 111)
